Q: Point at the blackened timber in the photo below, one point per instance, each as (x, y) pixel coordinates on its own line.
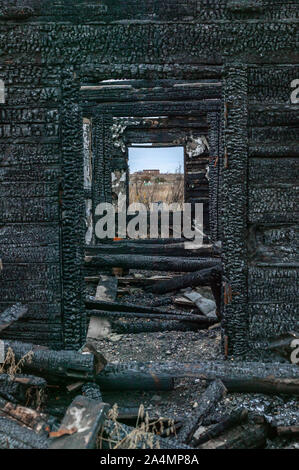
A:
(15, 389)
(234, 419)
(245, 436)
(174, 108)
(288, 149)
(291, 431)
(139, 248)
(92, 391)
(137, 327)
(11, 315)
(36, 421)
(207, 403)
(235, 376)
(45, 362)
(152, 263)
(204, 277)
(267, 385)
(126, 307)
(107, 93)
(83, 420)
(138, 282)
(143, 382)
(14, 436)
(198, 319)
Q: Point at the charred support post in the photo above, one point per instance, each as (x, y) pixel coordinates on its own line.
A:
(234, 221)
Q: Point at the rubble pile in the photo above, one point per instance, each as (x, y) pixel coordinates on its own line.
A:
(67, 399)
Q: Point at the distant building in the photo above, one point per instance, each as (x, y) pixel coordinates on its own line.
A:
(148, 172)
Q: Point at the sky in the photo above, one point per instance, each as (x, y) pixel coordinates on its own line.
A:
(165, 159)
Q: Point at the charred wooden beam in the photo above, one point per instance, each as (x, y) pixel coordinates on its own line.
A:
(234, 419)
(207, 403)
(152, 326)
(14, 436)
(268, 385)
(15, 388)
(246, 436)
(132, 281)
(120, 382)
(290, 431)
(138, 248)
(32, 419)
(11, 315)
(49, 363)
(80, 426)
(152, 263)
(204, 277)
(236, 376)
(126, 307)
(198, 319)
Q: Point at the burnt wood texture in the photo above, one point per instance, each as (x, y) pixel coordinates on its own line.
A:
(244, 58)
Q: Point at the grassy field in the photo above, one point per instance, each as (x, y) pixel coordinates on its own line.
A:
(167, 188)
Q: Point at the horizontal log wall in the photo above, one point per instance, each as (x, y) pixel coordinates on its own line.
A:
(272, 206)
(49, 49)
(30, 177)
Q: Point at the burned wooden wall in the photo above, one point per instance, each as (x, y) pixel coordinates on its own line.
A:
(49, 49)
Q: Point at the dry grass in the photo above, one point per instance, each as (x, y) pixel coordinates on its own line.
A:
(35, 397)
(142, 436)
(167, 189)
(11, 367)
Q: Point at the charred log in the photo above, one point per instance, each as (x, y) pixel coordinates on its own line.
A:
(151, 263)
(48, 363)
(204, 277)
(246, 436)
(153, 326)
(208, 401)
(139, 248)
(234, 419)
(198, 319)
(126, 307)
(32, 419)
(290, 431)
(14, 436)
(15, 389)
(243, 377)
